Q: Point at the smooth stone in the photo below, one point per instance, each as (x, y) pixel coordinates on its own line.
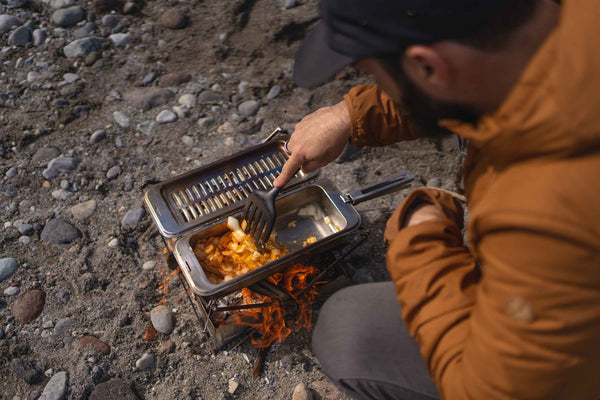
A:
(96, 343)
(84, 210)
(114, 389)
(58, 4)
(83, 47)
(162, 319)
(166, 116)
(148, 78)
(121, 119)
(210, 97)
(60, 165)
(56, 388)
(27, 370)
(242, 86)
(62, 325)
(19, 37)
(232, 386)
(57, 231)
(301, 392)
(44, 154)
(187, 140)
(188, 100)
(149, 265)
(24, 240)
(273, 92)
(48, 325)
(434, 182)
(11, 173)
(120, 39)
(146, 362)
(290, 4)
(181, 111)
(133, 216)
(146, 99)
(173, 19)
(25, 229)
(12, 291)
(7, 22)
(146, 127)
(85, 31)
(27, 307)
(8, 266)
(10, 4)
(111, 20)
(130, 7)
(39, 37)
(248, 108)
(174, 79)
(64, 296)
(98, 136)
(70, 77)
(61, 194)
(225, 128)
(113, 172)
(68, 16)
(113, 242)
(33, 76)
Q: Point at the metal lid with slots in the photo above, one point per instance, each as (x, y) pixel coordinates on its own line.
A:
(209, 192)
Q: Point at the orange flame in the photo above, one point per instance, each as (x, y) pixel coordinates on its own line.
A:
(270, 321)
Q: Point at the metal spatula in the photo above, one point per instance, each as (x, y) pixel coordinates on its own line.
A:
(259, 214)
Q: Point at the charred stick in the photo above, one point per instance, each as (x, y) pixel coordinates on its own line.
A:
(243, 307)
(260, 359)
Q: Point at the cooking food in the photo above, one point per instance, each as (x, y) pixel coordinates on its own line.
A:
(234, 253)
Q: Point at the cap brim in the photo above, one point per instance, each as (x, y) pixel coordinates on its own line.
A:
(315, 62)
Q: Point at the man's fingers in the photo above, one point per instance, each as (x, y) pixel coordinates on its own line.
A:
(287, 172)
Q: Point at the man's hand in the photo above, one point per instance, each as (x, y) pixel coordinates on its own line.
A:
(317, 140)
(424, 212)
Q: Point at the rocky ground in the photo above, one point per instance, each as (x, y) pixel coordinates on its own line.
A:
(97, 98)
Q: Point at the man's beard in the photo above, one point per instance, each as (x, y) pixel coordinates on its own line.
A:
(423, 111)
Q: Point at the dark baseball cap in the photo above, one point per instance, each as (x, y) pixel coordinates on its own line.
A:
(353, 29)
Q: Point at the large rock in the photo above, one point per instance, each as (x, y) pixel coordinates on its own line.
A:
(19, 37)
(28, 306)
(58, 231)
(174, 79)
(7, 22)
(112, 390)
(8, 266)
(44, 154)
(56, 389)
(146, 99)
(57, 4)
(68, 16)
(83, 47)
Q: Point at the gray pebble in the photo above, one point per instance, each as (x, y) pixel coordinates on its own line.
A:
(128, 183)
(133, 216)
(70, 77)
(187, 140)
(146, 127)
(25, 229)
(39, 37)
(146, 362)
(289, 4)
(68, 16)
(48, 325)
(111, 20)
(57, 231)
(7, 22)
(11, 173)
(64, 296)
(120, 39)
(162, 320)
(242, 86)
(248, 108)
(166, 116)
(113, 172)
(113, 242)
(64, 184)
(181, 111)
(56, 388)
(19, 37)
(206, 122)
(24, 240)
(273, 92)
(32, 76)
(210, 97)
(118, 142)
(98, 136)
(83, 47)
(84, 210)
(121, 119)
(85, 31)
(57, 4)
(59, 165)
(8, 266)
(63, 325)
(434, 182)
(148, 78)
(149, 265)
(12, 291)
(61, 194)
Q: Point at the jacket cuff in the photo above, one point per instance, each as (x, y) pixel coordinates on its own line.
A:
(357, 133)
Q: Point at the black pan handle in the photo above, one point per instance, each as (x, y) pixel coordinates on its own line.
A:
(377, 189)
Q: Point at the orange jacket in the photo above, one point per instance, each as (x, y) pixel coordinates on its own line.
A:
(516, 314)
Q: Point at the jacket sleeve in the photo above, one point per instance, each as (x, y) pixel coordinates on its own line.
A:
(375, 118)
(496, 335)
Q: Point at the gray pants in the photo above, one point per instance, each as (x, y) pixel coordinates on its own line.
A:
(365, 348)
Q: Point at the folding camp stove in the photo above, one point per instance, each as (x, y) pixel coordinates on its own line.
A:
(196, 205)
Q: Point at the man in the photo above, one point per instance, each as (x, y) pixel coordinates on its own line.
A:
(516, 313)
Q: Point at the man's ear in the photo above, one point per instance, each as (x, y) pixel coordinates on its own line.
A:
(426, 67)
